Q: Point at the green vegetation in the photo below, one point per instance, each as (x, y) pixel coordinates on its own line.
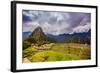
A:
(57, 52)
(26, 44)
(52, 56)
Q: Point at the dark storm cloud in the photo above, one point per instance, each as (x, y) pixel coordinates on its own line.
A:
(56, 22)
(77, 18)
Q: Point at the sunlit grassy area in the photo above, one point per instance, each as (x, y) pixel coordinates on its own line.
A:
(52, 56)
(57, 52)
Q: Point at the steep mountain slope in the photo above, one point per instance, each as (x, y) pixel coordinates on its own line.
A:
(36, 37)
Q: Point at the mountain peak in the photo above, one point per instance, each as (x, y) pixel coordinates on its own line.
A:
(39, 36)
(37, 32)
(39, 28)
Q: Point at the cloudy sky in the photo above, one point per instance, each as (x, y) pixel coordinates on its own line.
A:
(56, 23)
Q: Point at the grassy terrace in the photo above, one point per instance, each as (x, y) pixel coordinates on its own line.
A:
(56, 52)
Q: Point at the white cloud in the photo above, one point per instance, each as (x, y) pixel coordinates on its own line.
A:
(84, 28)
(27, 14)
(29, 26)
(57, 22)
(47, 28)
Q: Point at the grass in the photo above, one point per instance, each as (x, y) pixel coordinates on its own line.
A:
(58, 52)
(81, 50)
(52, 56)
(29, 52)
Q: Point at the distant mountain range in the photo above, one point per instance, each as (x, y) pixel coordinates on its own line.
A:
(83, 37)
(63, 37)
(26, 34)
(39, 37)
